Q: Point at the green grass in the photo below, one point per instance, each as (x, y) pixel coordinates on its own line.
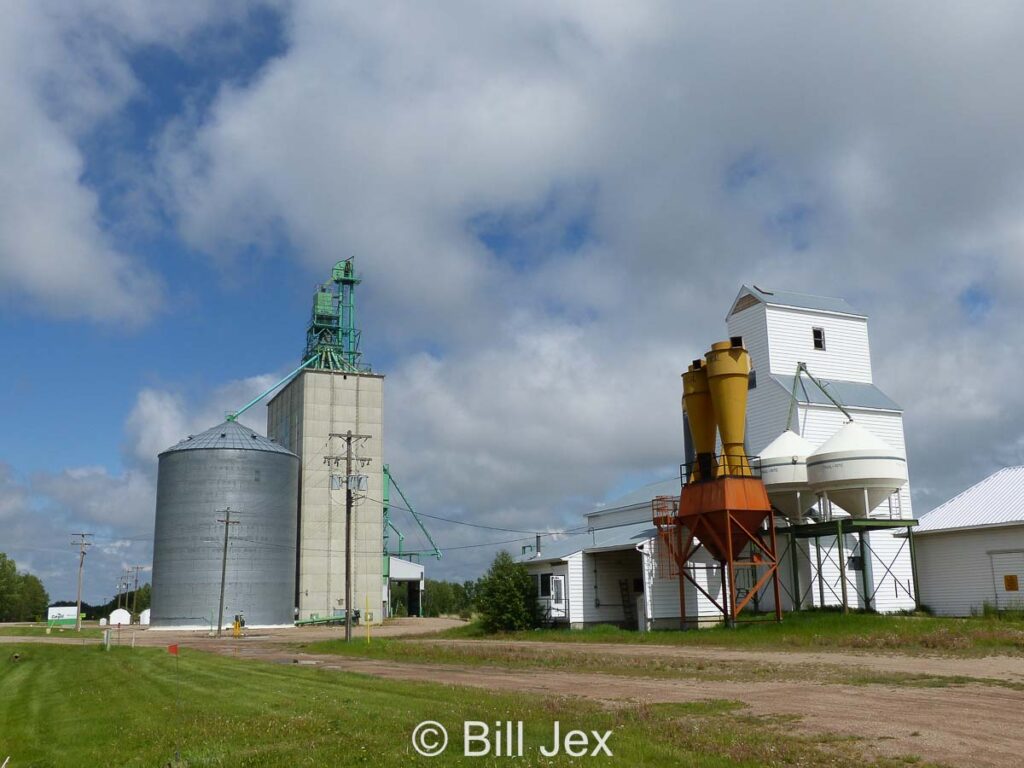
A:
(79, 705)
(810, 630)
(39, 630)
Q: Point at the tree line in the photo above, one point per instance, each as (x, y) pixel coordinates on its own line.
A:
(22, 595)
(503, 599)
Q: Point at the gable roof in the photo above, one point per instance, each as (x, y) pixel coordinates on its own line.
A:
(852, 394)
(752, 294)
(997, 500)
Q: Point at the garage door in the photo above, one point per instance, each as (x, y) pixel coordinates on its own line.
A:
(1008, 579)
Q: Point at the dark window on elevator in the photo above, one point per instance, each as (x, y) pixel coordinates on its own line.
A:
(818, 334)
(638, 585)
(752, 380)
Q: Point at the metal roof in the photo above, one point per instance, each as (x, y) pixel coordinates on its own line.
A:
(642, 495)
(853, 394)
(599, 539)
(996, 500)
(229, 435)
(799, 300)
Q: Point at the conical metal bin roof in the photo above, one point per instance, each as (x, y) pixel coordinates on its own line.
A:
(229, 435)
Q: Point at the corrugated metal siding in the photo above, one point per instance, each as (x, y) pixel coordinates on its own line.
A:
(955, 568)
(846, 355)
(999, 498)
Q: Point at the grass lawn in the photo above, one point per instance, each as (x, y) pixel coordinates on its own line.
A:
(39, 630)
(811, 630)
(79, 705)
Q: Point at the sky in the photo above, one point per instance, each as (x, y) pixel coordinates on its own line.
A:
(552, 205)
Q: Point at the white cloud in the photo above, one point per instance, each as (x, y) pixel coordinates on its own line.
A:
(869, 153)
(66, 72)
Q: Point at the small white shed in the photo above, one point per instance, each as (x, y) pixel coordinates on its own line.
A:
(144, 618)
(413, 575)
(970, 550)
(120, 617)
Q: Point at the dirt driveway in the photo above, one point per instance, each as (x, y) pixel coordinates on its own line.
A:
(1008, 668)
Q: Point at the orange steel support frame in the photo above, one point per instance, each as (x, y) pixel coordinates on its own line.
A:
(724, 516)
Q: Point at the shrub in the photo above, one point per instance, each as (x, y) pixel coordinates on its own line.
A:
(507, 597)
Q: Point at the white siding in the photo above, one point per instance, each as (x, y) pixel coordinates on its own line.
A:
(767, 410)
(662, 593)
(892, 575)
(555, 569)
(574, 587)
(601, 598)
(956, 570)
(750, 323)
(846, 355)
(893, 588)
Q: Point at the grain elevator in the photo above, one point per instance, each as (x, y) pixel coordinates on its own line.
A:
(334, 394)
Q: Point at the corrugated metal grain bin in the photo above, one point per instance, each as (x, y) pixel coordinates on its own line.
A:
(228, 466)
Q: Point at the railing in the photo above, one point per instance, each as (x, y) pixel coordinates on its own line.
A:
(709, 466)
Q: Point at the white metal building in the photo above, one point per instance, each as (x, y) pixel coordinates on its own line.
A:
(970, 550)
(614, 572)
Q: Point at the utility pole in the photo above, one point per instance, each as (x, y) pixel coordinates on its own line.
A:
(122, 588)
(135, 591)
(349, 480)
(82, 542)
(228, 522)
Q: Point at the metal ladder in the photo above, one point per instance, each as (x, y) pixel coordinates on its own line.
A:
(628, 607)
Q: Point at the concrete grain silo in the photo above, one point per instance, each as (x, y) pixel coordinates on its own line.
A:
(227, 467)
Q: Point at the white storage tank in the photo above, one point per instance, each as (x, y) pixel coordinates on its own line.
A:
(783, 464)
(856, 470)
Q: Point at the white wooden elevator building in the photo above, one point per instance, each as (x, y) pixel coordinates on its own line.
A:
(614, 572)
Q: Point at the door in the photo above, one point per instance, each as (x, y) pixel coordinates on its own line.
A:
(558, 608)
(1008, 579)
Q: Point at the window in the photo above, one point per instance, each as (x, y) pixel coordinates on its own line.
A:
(752, 379)
(638, 586)
(818, 334)
(544, 584)
(1010, 583)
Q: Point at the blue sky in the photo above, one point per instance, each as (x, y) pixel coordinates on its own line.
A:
(552, 208)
